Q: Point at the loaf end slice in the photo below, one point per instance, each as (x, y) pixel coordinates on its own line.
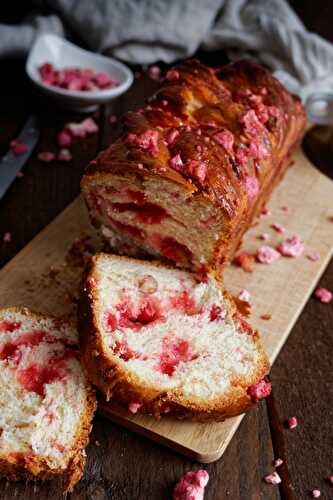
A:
(46, 401)
(157, 340)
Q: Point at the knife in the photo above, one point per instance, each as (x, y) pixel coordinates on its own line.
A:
(11, 164)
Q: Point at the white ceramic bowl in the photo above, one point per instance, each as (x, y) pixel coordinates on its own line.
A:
(62, 54)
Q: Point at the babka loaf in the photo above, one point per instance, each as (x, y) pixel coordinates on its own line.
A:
(193, 167)
(157, 340)
(46, 402)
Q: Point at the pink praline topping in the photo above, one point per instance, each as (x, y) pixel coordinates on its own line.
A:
(226, 139)
(251, 186)
(147, 141)
(176, 162)
(260, 390)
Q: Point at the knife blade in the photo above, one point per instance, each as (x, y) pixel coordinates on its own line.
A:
(11, 164)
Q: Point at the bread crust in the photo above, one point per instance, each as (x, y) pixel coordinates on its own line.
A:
(115, 382)
(23, 467)
(223, 186)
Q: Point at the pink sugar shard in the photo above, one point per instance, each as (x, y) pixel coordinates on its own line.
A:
(64, 155)
(292, 422)
(46, 156)
(273, 478)
(64, 138)
(292, 247)
(7, 237)
(313, 256)
(18, 148)
(244, 295)
(154, 72)
(279, 228)
(89, 125)
(277, 462)
(260, 390)
(191, 486)
(264, 236)
(324, 295)
(266, 254)
(251, 186)
(134, 407)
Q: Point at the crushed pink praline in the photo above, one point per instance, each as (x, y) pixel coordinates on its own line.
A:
(64, 138)
(134, 407)
(18, 148)
(147, 141)
(244, 295)
(266, 254)
(292, 247)
(277, 462)
(75, 78)
(324, 295)
(260, 390)
(279, 228)
(46, 156)
(64, 155)
(273, 478)
(7, 237)
(313, 256)
(191, 486)
(292, 422)
(251, 186)
(316, 493)
(154, 72)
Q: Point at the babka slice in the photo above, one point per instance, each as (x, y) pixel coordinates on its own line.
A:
(158, 340)
(46, 402)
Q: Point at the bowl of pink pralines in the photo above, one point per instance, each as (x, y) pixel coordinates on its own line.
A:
(75, 77)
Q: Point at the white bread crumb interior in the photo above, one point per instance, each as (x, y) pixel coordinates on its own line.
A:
(44, 425)
(220, 352)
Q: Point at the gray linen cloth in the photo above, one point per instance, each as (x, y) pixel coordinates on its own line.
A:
(147, 31)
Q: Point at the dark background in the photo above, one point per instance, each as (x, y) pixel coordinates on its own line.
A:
(120, 464)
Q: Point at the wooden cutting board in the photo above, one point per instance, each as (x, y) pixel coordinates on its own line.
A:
(45, 276)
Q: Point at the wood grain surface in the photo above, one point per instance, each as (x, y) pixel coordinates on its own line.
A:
(121, 464)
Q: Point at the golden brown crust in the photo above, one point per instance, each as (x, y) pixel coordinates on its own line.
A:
(25, 467)
(227, 100)
(115, 382)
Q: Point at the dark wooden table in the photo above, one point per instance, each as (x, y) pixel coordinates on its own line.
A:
(122, 465)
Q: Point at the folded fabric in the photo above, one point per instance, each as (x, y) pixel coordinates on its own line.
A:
(147, 31)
